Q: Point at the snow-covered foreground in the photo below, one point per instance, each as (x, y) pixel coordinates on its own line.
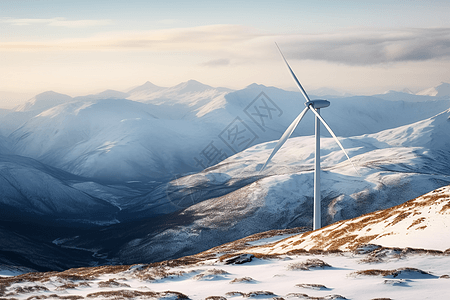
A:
(413, 276)
(264, 267)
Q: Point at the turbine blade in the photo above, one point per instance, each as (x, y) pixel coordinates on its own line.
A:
(285, 136)
(295, 77)
(335, 137)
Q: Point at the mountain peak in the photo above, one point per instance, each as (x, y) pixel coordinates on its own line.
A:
(147, 86)
(192, 86)
(44, 101)
(441, 90)
(255, 85)
(407, 91)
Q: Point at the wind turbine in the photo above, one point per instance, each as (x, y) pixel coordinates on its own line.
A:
(314, 106)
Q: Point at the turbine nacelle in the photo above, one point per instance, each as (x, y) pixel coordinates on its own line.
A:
(316, 104)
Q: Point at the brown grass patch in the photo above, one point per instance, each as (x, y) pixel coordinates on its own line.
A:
(305, 296)
(308, 265)
(297, 252)
(155, 273)
(125, 294)
(54, 296)
(30, 289)
(232, 294)
(400, 218)
(215, 298)
(313, 286)
(266, 256)
(210, 273)
(251, 294)
(71, 285)
(243, 279)
(384, 273)
(445, 207)
(371, 259)
(111, 283)
(417, 222)
(182, 261)
(258, 293)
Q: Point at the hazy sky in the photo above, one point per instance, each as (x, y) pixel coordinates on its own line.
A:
(363, 47)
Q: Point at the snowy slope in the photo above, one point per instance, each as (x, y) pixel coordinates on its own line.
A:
(110, 139)
(24, 112)
(442, 90)
(108, 94)
(43, 102)
(190, 93)
(418, 223)
(33, 190)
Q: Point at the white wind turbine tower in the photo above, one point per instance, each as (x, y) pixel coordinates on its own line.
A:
(314, 106)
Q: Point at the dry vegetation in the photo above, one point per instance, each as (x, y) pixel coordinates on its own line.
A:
(312, 286)
(308, 265)
(154, 273)
(127, 294)
(250, 294)
(72, 285)
(243, 279)
(54, 296)
(305, 296)
(394, 273)
(111, 283)
(210, 273)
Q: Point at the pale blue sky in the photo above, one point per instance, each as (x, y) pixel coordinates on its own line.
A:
(77, 47)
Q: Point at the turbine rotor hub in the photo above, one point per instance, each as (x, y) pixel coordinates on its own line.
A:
(316, 104)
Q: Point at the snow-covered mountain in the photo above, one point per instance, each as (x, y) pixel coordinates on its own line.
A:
(232, 199)
(174, 130)
(18, 116)
(190, 93)
(108, 94)
(43, 102)
(111, 139)
(441, 90)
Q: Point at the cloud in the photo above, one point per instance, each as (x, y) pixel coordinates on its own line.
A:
(59, 22)
(216, 62)
(243, 44)
(368, 47)
(212, 38)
